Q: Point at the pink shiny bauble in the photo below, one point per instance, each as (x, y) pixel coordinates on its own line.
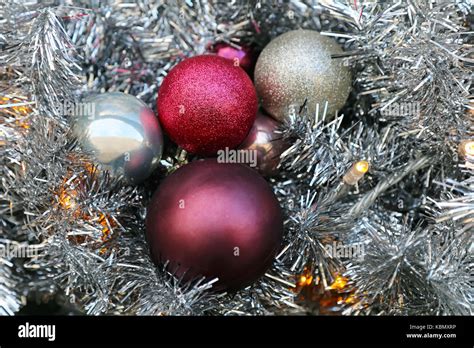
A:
(266, 142)
(206, 104)
(215, 220)
(245, 56)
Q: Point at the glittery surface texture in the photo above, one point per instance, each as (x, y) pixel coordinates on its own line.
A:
(206, 104)
(297, 66)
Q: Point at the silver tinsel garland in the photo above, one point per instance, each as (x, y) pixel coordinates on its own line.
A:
(411, 212)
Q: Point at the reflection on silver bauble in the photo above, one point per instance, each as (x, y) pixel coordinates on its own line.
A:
(296, 66)
(268, 144)
(122, 132)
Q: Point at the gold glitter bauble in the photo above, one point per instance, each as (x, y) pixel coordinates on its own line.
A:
(297, 66)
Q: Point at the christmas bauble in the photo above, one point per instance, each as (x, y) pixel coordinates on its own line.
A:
(206, 104)
(215, 220)
(297, 66)
(266, 143)
(122, 132)
(245, 57)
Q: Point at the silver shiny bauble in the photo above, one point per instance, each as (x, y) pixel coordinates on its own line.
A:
(123, 133)
(297, 66)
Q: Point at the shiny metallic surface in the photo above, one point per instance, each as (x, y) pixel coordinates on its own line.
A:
(297, 66)
(267, 143)
(123, 133)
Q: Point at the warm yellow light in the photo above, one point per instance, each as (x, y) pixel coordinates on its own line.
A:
(351, 299)
(362, 167)
(19, 111)
(66, 200)
(90, 168)
(356, 172)
(468, 147)
(305, 280)
(67, 197)
(24, 125)
(107, 225)
(339, 283)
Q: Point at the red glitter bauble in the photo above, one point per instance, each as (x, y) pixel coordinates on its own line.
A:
(215, 220)
(206, 104)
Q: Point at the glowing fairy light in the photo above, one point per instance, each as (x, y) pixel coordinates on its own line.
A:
(356, 172)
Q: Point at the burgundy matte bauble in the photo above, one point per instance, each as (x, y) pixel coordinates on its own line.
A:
(206, 103)
(245, 56)
(215, 220)
(268, 144)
